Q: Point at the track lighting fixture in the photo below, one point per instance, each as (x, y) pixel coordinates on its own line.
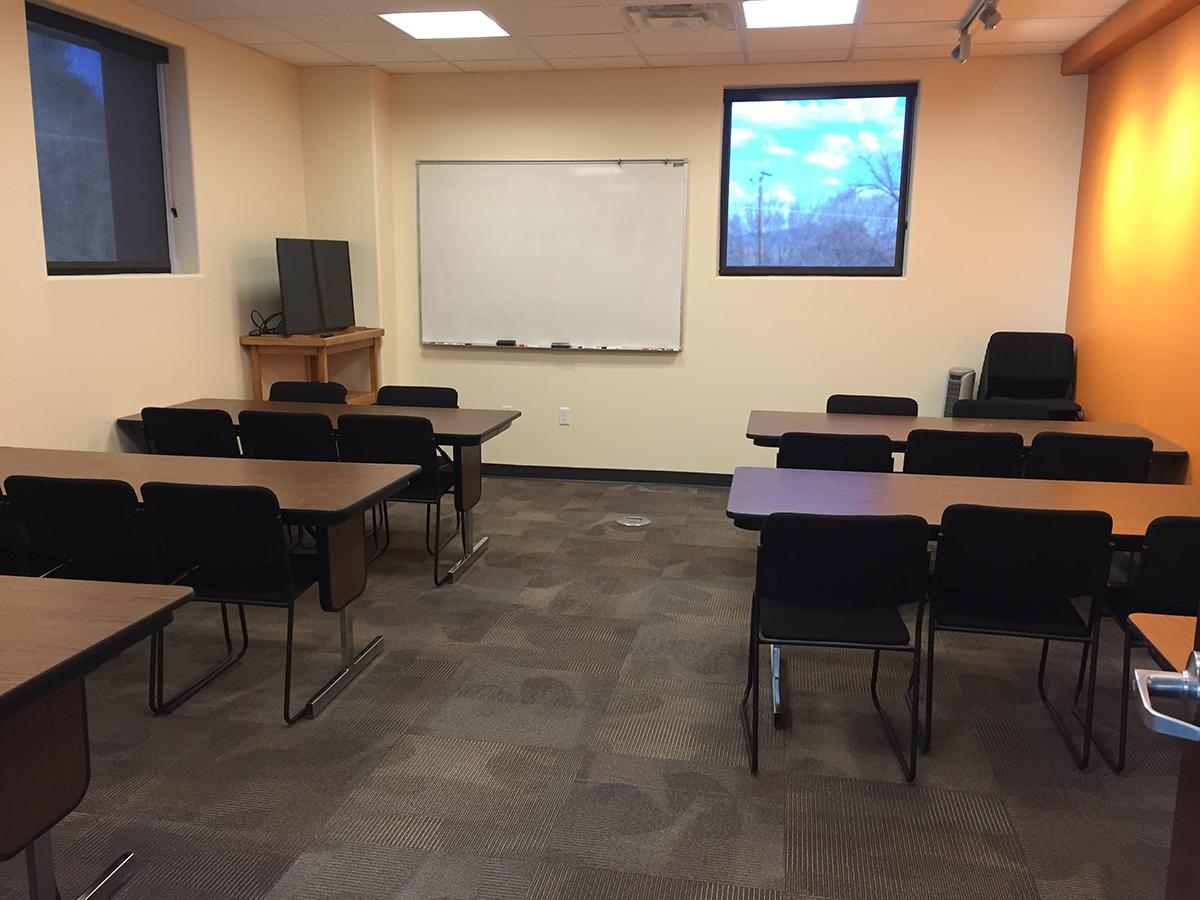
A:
(962, 50)
(989, 16)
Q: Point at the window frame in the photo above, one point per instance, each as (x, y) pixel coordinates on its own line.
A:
(906, 89)
(131, 45)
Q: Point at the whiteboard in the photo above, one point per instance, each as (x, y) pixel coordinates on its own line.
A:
(584, 253)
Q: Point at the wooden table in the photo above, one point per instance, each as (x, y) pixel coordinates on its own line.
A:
(464, 430)
(766, 426)
(329, 497)
(52, 633)
(1170, 639)
(316, 350)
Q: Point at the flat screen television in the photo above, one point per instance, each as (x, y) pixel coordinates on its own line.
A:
(314, 284)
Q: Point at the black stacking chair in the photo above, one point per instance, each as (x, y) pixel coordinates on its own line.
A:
(287, 435)
(989, 454)
(866, 405)
(308, 392)
(404, 440)
(84, 528)
(405, 395)
(13, 556)
(231, 541)
(1031, 367)
(998, 409)
(1015, 573)
(190, 432)
(837, 581)
(1089, 457)
(837, 452)
(1166, 582)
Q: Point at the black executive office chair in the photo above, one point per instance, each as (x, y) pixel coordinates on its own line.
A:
(837, 581)
(1014, 573)
(999, 409)
(308, 392)
(997, 454)
(178, 431)
(404, 440)
(1089, 457)
(287, 435)
(1031, 366)
(867, 405)
(837, 452)
(232, 542)
(84, 528)
(406, 395)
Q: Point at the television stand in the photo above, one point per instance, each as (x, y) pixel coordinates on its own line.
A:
(316, 349)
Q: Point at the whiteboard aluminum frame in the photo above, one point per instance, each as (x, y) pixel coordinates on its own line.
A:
(678, 162)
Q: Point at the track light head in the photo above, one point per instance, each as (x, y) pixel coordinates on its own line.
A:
(989, 16)
(962, 50)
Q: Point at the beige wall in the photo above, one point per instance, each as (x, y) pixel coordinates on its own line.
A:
(993, 204)
(80, 351)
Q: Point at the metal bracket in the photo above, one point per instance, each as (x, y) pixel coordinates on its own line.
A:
(1181, 685)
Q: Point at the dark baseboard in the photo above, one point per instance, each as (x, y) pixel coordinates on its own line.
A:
(641, 476)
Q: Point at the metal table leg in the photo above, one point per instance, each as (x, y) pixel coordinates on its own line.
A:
(776, 686)
(39, 862)
(353, 664)
(472, 549)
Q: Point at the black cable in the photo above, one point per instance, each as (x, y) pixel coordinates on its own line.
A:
(270, 325)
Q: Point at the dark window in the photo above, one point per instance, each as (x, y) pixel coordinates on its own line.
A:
(814, 180)
(99, 146)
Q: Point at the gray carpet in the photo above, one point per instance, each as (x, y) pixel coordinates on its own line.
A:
(562, 724)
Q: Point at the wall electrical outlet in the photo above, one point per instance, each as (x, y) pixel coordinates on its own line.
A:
(564, 415)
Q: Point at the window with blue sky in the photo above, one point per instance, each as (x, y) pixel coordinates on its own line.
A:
(816, 179)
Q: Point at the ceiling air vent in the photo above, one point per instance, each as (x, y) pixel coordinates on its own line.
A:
(679, 16)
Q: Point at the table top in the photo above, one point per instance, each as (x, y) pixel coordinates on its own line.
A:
(1171, 637)
(353, 334)
(52, 629)
(451, 426)
(758, 492)
(312, 493)
(766, 426)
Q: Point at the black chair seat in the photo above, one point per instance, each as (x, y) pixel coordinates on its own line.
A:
(138, 571)
(780, 621)
(424, 488)
(256, 586)
(1061, 410)
(979, 613)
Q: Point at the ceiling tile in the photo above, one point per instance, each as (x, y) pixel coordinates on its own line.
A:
(502, 65)
(197, 9)
(353, 27)
(535, 4)
(385, 6)
(1038, 30)
(799, 56)
(566, 20)
(599, 62)
(917, 10)
(562, 46)
(937, 51)
(1058, 9)
(910, 34)
(825, 38)
(1027, 49)
(697, 59)
(456, 49)
(249, 31)
(406, 50)
(300, 7)
(413, 68)
(302, 54)
(678, 41)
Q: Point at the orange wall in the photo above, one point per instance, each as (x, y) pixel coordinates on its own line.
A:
(1134, 305)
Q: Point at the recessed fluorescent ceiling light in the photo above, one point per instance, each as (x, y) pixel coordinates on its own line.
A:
(798, 13)
(468, 23)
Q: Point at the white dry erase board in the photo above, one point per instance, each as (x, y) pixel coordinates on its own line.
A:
(584, 253)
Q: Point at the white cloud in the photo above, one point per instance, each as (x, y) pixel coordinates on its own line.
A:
(826, 159)
(870, 140)
(897, 133)
(831, 181)
(777, 150)
(736, 191)
(835, 152)
(886, 111)
(740, 136)
(783, 195)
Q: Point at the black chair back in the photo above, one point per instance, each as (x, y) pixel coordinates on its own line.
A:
(190, 432)
(1168, 576)
(867, 405)
(843, 562)
(219, 527)
(308, 392)
(998, 454)
(837, 452)
(1023, 554)
(403, 440)
(287, 435)
(82, 520)
(1089, 457)
(1028, 364)
(999, 409)
(12, 544)
(405, 395)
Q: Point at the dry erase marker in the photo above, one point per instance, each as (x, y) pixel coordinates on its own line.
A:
(506, 343)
